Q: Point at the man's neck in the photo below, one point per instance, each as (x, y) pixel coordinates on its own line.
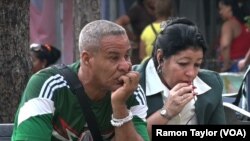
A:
(94, 92)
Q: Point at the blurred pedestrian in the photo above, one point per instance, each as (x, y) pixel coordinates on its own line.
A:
(137, 18)
(43, 55)
(235, 36)
(163, 10)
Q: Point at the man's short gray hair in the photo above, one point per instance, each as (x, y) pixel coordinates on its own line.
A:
(93, 32)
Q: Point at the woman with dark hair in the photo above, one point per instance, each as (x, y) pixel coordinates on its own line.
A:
(177, 90)
(234, 38)
(43, 55)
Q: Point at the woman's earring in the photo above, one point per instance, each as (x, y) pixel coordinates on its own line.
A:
(159, 69)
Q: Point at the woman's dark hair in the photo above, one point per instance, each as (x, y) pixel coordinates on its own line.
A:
(237, 11)
(46, 52)
(178, 34)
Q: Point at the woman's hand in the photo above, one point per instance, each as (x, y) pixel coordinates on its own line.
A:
(179, 96)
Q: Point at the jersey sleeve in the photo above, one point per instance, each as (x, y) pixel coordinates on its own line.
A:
(138, 107)
(34, 115)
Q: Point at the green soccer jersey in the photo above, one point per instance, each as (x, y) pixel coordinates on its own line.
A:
(49, 111)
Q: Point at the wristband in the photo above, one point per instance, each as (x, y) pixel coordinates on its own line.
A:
(119, 122)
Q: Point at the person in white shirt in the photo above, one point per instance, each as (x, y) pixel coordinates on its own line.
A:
(178, 91)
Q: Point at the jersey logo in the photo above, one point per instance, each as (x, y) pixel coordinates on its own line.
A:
(65, 132)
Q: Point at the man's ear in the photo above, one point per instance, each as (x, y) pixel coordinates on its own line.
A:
(85, 57)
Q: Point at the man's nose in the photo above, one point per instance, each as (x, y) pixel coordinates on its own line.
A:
(125, 65)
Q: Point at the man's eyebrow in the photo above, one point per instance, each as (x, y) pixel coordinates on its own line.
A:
(112, 53)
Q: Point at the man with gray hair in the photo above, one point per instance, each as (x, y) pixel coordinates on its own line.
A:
(49, 111)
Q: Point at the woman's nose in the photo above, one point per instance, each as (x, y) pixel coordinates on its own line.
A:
(192, 72)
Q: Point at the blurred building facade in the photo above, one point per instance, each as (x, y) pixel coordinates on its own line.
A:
(51, 21)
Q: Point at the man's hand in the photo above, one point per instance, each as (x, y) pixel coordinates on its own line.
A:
(130, 83)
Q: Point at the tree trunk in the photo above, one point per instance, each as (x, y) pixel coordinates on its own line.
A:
(14, 59)
(85, 11)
